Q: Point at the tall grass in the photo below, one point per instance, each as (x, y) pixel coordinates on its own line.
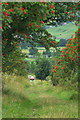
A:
(39, 99)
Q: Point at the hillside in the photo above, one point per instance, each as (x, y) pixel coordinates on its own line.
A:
(64, 31)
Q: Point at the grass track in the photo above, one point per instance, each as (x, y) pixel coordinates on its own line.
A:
(22, 99)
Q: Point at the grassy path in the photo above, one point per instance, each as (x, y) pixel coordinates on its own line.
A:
(38, 100)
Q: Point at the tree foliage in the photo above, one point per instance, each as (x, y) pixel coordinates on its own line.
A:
(42, 69)
(67, 65)
(26, 20)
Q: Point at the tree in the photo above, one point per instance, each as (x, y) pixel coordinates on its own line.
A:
(66, 11)
(26, 20)
(23, 20)
(67, 65)
(42, 69)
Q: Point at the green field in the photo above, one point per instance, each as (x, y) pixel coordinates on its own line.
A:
(64, 31)
(40, 99)
(40, 49)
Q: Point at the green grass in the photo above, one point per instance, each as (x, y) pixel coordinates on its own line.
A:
(23, 99)
(64, 31)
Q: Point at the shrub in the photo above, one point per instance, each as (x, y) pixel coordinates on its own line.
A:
(42, 69)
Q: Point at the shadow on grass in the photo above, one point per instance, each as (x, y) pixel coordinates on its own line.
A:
(15, 95)
(20, 98)
(74, 97)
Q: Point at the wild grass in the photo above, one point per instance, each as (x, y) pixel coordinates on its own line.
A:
(39, 99)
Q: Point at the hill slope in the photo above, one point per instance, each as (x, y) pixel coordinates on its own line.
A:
(64, 31)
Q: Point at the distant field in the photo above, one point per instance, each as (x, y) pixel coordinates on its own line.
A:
(40, 49)
(64, 31)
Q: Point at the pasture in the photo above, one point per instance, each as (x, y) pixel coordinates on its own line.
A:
(39, 99)
(64, 31)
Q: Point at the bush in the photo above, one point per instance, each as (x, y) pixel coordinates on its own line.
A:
(33, 50)
(42, 69)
